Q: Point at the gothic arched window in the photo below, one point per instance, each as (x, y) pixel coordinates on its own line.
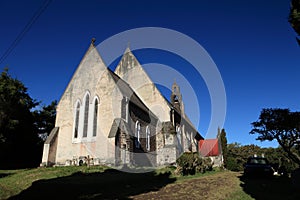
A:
(137, 134)
(178, 131)
(95, 121)
(148, 138)
(86, 115)
(77, 112)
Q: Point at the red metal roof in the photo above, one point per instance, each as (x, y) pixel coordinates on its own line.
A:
(209, 147)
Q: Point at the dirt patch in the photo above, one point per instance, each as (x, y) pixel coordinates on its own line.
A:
(216, 186)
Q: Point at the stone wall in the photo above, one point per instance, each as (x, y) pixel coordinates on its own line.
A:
(166, 145)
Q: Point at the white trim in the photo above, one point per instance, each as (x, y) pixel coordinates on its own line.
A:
(90, 123)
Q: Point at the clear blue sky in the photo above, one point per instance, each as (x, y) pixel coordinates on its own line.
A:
(251, 42)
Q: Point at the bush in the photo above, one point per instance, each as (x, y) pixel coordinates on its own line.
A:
(190, 163)
(234, 165)
(206, 165)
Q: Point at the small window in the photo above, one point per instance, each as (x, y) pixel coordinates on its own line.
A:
(76, 120)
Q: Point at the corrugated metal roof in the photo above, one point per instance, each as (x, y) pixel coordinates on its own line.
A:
(209, 147)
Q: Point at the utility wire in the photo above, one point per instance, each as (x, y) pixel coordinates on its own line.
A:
(33, 19)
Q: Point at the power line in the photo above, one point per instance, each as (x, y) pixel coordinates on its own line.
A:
(28, 26)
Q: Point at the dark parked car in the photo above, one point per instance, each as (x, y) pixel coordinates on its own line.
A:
(258, 167)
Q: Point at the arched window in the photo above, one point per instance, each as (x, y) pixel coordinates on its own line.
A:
(137, 134)
(178, 131)
(148, 138)
(76, 120)
(179, 138)
(95, 121)
(86, 115)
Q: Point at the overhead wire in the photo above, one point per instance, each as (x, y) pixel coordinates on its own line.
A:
(27, 27)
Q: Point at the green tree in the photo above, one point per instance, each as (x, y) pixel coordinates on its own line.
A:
(45, 119)
(235, 159)
(281, 125)
(18, 140)
(294, 17)
(223, 139)
(238, 154)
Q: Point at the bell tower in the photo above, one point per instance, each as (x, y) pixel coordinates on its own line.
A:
(176, 98)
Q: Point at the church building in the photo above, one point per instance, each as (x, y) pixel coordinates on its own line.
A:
(118, 117)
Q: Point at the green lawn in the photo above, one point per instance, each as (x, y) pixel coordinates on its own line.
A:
(13, 182)
(98, 182)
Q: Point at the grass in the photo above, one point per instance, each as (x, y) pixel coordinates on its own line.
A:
(15, 181)
(209, 186)
(99, 182)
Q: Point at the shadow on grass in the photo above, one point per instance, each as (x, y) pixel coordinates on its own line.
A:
(2, 175)
(110, 184)
(277, 187)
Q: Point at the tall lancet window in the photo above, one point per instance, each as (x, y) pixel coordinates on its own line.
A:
(95, 118)
(179, 138)
(76, 120)
(148, 138)
(178, 131)
(137, 134)
(86, 115)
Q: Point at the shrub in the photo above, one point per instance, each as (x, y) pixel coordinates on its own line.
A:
(190, 163)
(233, 164)
(206, 165)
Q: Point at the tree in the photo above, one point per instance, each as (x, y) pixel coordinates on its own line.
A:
(17, 136)
(45, 119)
(15, 106)
(238, 155)
(234, 159)
(281, 125)
(223, 139)
(294, 17)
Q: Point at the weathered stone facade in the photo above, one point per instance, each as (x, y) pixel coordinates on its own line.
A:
(117, 118)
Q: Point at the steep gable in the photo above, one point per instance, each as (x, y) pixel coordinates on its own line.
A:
(84, 78)
(131, 71)
(91, 79)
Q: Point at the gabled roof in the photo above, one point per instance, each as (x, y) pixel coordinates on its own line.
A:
(209, 147)
(52, 135)
(118, 123)
(97, 63)
(124, 87)
(129, 92)
(130, 60)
